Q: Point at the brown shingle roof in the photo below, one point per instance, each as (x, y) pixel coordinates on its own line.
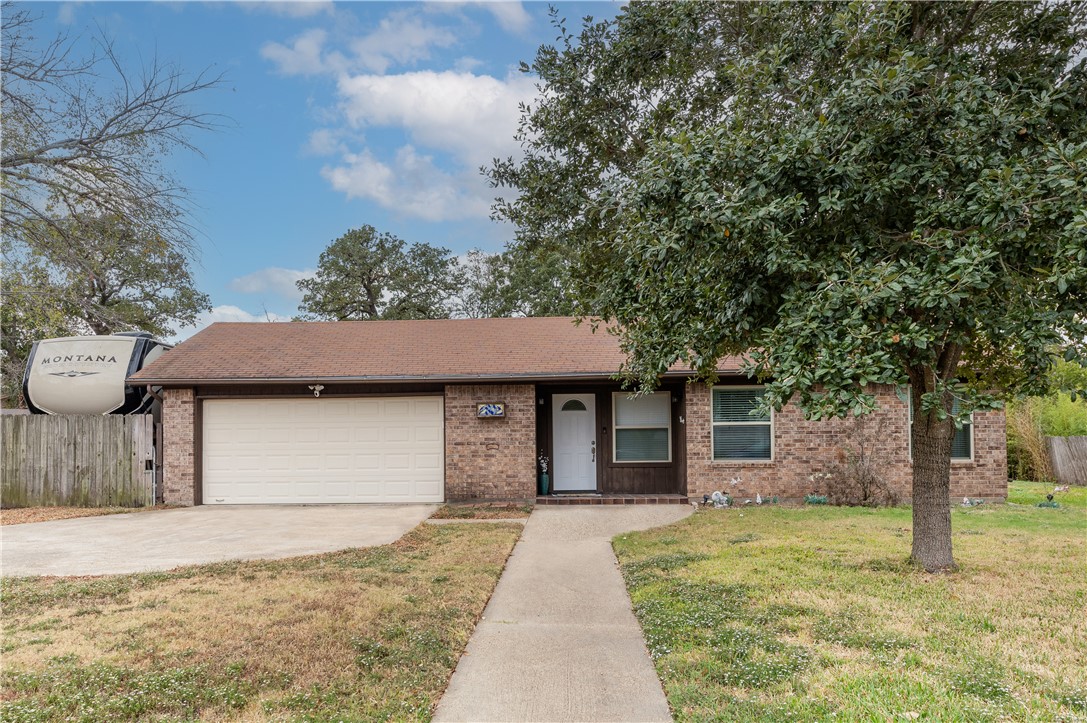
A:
(445, 349)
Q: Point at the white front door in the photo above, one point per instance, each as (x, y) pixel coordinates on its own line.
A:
(573, 425)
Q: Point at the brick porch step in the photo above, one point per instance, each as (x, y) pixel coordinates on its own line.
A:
(612, 500)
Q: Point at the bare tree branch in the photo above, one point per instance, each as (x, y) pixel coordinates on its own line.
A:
(70, 147)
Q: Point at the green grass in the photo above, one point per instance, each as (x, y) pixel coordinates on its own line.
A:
(1032, 493)
(775, 614)
(370, 634)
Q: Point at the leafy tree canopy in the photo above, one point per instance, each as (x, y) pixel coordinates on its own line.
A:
(515, 283)
(93, 275)
(848, 193)
(367, 275)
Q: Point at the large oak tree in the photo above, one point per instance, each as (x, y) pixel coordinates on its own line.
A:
(92, 275)
(367, 275)
(850, 194)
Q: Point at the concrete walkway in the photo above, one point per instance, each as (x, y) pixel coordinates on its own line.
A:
(165, 539)
(558, 640)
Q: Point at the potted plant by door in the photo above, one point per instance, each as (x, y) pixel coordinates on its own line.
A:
(544, 479)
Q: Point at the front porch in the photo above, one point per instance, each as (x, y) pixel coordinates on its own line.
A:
(605, 447)
(589, 499)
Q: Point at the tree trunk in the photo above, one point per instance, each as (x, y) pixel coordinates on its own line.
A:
(932, 492)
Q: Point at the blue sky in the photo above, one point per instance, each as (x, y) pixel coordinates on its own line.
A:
(340, 115)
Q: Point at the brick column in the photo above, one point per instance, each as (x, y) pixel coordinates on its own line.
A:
(490, 459)
(179, 447)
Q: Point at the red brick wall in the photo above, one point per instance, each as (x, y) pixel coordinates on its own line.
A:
(490, 459)
(803, 448)
(987, 475)
(178, 442)
(495, 459)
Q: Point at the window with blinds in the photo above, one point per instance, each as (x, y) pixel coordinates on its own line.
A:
(962, 445)
(643, 427)
(737, 432)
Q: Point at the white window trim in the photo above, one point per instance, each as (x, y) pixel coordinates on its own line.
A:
(616, 427)
(909, 434)
(771, 424)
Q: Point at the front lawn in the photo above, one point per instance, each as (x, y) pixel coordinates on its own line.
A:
(764, 614)
(370, 634)
(482, 512)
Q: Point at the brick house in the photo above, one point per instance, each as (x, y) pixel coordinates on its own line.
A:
(460, 410)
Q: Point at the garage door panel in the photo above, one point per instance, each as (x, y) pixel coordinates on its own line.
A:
(427, 434)
(428, 461)
(323, 450)
(398, 408)
(367, 434)
(396, 433)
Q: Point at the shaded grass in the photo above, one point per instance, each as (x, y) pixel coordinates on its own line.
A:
(817, 614)
(365, 634)
(482, 512)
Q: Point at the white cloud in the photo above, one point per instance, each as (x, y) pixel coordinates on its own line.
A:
(411, 184)
(400, 38)
(302, 57)
(511, 15)
(66, 13)
(292, 8)
(471, 116)
(454, 121)
(467, 64)
(226, 312)
(272, 280)
(325, 142)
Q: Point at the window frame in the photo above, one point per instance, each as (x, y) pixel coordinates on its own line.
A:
(771, 423)
(909, 433)
(615, 427)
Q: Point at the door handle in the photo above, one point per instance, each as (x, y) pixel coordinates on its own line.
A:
(593, 447)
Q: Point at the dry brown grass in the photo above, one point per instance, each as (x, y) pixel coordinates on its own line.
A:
(24, 515)
(359, 634)
(1026, 434)
(482, 512)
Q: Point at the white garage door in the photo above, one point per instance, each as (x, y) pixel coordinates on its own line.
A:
(378, 449)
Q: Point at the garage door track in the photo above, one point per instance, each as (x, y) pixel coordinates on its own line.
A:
(165, 539)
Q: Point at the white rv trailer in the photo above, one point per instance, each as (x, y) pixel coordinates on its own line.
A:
(86, 374)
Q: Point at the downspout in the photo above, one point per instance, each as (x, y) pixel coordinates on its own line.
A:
(151, 391)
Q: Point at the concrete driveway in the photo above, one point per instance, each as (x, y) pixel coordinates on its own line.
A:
(165, 539)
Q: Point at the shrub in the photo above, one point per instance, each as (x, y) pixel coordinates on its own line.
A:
(1061, 417)
(1033, 419)
(855, 480)
(1028, 455)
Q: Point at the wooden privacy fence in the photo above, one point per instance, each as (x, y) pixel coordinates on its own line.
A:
(1068, 455)
(84, 460)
